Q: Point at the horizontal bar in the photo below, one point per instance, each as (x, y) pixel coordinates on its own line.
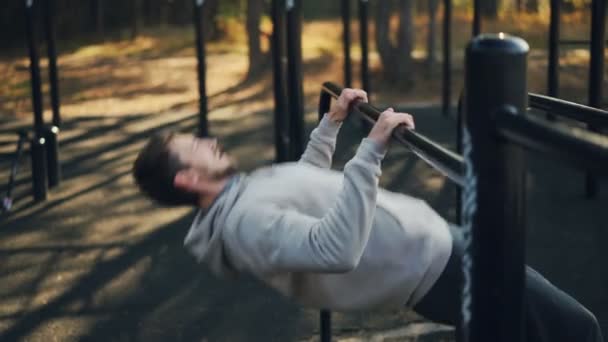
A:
(576, 111)
(447, 162)
(583, 149)
(577, 42)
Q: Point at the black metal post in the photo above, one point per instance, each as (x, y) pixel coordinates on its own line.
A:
(51, 134)
(281, 131)
(596, 74)
(7, 201)
(325, 322)
(295, 92)
(494, 195)
(49, 23)
(199, 29)
(364, 37)
(324, 315)
(38, 144)
(476, 17)
(553, 67)
(348, 72)
(447, 57)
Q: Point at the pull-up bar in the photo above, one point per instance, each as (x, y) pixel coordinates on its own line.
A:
(440, 158)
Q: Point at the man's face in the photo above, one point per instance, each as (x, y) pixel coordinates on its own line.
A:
(202, 154)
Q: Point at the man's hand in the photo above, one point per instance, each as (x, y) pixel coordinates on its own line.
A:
(387, 122)
(341, 107)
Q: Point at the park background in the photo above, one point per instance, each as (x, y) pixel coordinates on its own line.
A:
(97, 261)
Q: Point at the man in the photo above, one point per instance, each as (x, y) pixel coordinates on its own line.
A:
(330, 239)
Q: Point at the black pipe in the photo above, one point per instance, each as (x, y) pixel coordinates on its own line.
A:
(7, 201)
(494, 195)
(38, 154)
(476, 17)
(346, 41)
(558, 107)
(51, 137)
(364, 37)
(596, 75)
(199, 29)
(49, 20)
(442, 159)
(281, 131)
(447, 57)
(325, 323)
(580, 148)
(295, 93)
(553, 66)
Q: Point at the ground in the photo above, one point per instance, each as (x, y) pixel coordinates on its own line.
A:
(97, 261)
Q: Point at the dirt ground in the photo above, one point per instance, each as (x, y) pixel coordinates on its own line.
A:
(98, 262)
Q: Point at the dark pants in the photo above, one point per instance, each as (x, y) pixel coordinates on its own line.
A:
(551, 314)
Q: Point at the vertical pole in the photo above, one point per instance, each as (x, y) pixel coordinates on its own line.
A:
(476, 17)
(294, 77)
(553, 76)
(281, 134)
(494, 195)
(37, 144)
(348, 78)
(364, 37)
(49, 23)
(596, 74)
(203, 129)
(447, 57)
(324, 315)
(51, 134)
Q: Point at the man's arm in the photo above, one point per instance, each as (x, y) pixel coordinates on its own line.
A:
(282, 240)
(322, 144)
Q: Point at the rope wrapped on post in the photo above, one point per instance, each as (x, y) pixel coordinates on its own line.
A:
(445, 161)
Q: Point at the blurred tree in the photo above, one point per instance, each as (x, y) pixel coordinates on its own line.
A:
(257, 58)
(532, 6)
(489, 8)
(137, 18)
(396, 57)
(431, 55)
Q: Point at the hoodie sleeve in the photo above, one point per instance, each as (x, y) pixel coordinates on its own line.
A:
(322, 144)
(275, 239)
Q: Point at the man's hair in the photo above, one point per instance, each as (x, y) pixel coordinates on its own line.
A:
(154, 171)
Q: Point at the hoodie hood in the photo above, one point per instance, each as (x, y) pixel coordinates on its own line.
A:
(204, 238)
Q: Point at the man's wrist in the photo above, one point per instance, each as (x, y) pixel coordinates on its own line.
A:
(334, 117)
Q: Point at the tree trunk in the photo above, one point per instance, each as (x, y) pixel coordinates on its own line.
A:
(136, 19)
(256, 57)
(210, 19)
(431, 56)
(98, 16)
(489, 8)
(396, 60)
(532, 6)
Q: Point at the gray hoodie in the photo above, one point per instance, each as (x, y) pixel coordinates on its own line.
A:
(324, 238)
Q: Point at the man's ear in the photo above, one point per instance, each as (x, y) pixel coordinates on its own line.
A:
(187, 179)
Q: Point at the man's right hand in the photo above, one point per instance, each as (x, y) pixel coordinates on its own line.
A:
(387, 122)
(343, 105)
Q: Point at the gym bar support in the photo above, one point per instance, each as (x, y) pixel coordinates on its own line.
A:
(494, 195)
(199, 29)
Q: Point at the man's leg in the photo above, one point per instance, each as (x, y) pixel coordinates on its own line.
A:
(551, 314)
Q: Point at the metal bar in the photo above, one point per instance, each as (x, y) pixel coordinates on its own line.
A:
(49, 23)
(553, 66)
(596, 75)
(364, 37)
(440, 158)
(572, 110)
(348, 77)
(476, 17)
(7, 201)
(199, 29)
(325, 322)
(577, 42)
(38, 155)
(577, 146)
(281, 134)
(493, 198)
(51, 137)
(447, 57)
(295, 92)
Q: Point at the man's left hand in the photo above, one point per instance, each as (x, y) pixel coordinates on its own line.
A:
(342, 107)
